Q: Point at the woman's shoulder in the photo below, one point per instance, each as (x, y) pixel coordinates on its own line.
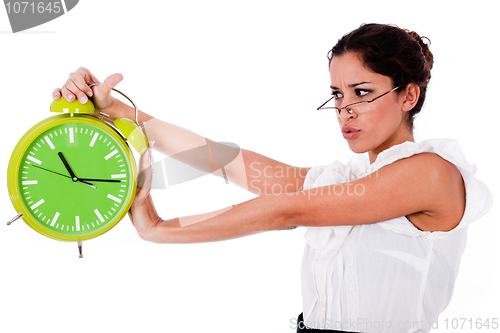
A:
(449, 149)
(458, 196)
(435, 181)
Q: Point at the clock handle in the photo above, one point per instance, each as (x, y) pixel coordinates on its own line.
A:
(130, 129)
(129, 99)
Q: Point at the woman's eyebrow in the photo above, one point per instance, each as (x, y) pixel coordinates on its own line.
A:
(351, 85)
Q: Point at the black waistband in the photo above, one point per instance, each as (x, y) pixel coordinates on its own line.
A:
(301, 327)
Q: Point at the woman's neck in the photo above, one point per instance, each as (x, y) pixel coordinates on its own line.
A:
(398, 138)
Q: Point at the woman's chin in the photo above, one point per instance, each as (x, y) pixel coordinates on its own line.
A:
(357, 147)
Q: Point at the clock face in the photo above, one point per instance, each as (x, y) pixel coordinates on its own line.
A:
(75, 179)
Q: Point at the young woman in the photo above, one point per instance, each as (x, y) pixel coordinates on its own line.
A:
(385, 233)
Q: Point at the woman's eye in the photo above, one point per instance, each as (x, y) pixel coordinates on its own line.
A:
(362, 92)
(337, 94)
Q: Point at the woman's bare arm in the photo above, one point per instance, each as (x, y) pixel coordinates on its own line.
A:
(249, 170)
(424, 187)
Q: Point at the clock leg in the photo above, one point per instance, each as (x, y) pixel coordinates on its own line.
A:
(80, 248)
(18, 216)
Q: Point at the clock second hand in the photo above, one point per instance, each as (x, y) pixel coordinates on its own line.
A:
(60, 174)
(82, 179)
(57, 173)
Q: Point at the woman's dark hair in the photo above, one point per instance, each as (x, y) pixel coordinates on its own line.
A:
(391, 51)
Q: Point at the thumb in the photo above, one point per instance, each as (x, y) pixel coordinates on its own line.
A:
(110, 82)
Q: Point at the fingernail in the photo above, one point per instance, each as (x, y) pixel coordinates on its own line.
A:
(71, 97)
(90, 93)
(83, 100)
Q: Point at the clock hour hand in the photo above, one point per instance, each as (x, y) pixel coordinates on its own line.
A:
(71, 173)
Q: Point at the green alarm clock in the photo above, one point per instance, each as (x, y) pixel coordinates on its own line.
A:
(73, 177)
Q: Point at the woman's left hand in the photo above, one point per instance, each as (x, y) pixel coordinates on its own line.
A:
(142, 213)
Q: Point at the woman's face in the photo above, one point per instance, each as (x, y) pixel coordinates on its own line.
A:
(384, 125)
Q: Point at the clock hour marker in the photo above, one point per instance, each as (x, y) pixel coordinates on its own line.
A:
(113, 153)
(94, 139)
(49, 143)
(56, 216)
(99, 215)
(37, 204)
(77, 222)
(122, 175)
(114, 198)
(30, 182)
(31, 158)
(71, 136)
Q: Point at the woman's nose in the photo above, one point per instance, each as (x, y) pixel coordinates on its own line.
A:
(345, 115)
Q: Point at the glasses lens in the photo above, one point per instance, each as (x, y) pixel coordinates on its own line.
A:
(330, 113)
(360, 108)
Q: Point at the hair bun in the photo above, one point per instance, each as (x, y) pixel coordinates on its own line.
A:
(429, 58)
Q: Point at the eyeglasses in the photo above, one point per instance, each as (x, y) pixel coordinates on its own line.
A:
(357, 108)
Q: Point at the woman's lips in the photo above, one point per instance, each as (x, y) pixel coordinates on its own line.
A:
(349, 132)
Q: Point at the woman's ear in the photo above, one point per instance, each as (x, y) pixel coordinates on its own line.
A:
(411, 94)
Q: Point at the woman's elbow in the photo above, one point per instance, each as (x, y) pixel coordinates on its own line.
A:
(285, 217)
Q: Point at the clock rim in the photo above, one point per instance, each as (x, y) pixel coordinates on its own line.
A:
(25, 142)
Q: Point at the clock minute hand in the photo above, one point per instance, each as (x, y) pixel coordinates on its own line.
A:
(101, 180)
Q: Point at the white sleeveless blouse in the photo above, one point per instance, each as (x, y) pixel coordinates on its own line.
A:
(387, 276)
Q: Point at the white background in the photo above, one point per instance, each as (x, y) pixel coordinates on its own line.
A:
(248, 72)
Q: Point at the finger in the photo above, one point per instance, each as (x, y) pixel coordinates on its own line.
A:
(83, 84)
(94, 79)
(145, 178)
(130, 215)
(56, 94)
(67, 93)
(77, 85)
(70, 92)
(78, 90)
(87, 76)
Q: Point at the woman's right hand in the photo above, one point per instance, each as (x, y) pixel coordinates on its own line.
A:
(77, 86)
